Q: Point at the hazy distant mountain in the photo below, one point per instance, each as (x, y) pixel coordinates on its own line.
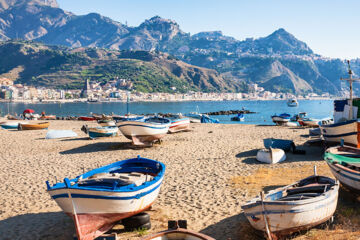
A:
(278, 62)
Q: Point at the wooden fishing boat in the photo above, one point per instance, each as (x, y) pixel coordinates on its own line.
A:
(309, 122)
(97, 132)
(348, 130)
(179, 124)
(130, 117)
(106, 122)
(281, 119)
(96, 200)
(85, 118)
(302, 205)
(344, 163)
(271, 156)
(33, 126)
(145, 131)
(10, 124)
(178, 233)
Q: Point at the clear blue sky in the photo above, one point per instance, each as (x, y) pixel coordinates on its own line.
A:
(330, 27)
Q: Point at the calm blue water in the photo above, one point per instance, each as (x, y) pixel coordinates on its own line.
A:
(263, 109)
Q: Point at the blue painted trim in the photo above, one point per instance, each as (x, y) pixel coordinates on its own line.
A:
(340, 135)
(78, 195)
(137, 125)
(340, 124)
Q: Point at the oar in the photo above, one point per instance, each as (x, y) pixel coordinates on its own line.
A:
(264, 215)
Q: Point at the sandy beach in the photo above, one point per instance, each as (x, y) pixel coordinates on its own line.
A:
(210, 172)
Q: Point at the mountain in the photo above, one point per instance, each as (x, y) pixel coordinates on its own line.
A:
(278, 62)
(63, 67)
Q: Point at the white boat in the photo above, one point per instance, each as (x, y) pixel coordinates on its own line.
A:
(281, 119)
(345, 130)
(54, 134)
(344, 163)
(10, 124)
(98, 199)
(292, 102)
(179, 124)
(295, 207)
(291, 124)
(106, 123)
(272, 155)
(145, 131)
(96, 132)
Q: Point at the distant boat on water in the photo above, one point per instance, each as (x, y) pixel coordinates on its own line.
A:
(98, 199)
(292, 102)
(240, 117)
(281, 119)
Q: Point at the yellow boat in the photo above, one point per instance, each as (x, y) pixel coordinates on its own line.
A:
(35, 126)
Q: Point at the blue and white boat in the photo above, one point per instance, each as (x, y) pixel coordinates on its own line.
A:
(344, 163)
(348, 131)
(145, 131)
(96, 132)
(96, 200)
(179, 124)
(10, 125)
(129, 117)
(207, 119)
(281, 119)
(302, 205)
(239, 117)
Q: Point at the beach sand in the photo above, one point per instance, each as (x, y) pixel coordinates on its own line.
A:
(210, 172)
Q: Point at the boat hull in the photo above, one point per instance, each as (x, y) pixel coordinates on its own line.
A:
(179, 125)
(285, 217)
(270, 156)
(142, 133)
(347, 177)
(346, 130)
(102, 132)
(38, 126)
(9, 125)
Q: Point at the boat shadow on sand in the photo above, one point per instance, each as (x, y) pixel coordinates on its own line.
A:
(312, 154)
(50, 225)
(100, 147)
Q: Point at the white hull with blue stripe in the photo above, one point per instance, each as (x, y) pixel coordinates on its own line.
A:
(301, 205)
(96, 200)
(346, 130)
(146, 130)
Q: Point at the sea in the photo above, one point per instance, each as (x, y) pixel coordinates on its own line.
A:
(263, 109)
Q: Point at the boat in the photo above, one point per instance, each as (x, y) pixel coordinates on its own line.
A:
(239, 117)
(344, 163)
(85, 118)
(47, 117)
(33, 126)
(207, 119)
(292, 102)
(291, 124)
(271, 155)
(281, 119)
(299, 206)
(10, 125)
(101, 116)
(146, 130)
(348, 131)
(298, 117)
(96, 132)
(121, 118)
(106, 122)
(309, 122)
(98, 199)
(283, 144)
(179, 124)
(54, 134)
(177, 232)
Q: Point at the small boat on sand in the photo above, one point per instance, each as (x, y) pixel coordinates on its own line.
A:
(96, 132)
(106, 122)
(283, 144)
(177, 232)
(10, 124)
(130, 117)
(54, 134)
(344, 163)
(85, 118)
(271, 156)
(33, 126)
(145, 131)
(179, 124)
(47, 117)
(281, 119)
(98, 199)
(299, 206)
(347, 130)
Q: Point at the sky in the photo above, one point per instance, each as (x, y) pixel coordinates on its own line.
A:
(329, 27)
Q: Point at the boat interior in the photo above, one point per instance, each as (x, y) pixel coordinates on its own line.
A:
(129, 174)
(348, 152)
(157, 120)
(305, 189)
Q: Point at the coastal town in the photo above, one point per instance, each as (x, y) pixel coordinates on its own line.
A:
(118, 90)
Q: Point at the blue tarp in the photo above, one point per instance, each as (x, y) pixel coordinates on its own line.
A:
(283, 144)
